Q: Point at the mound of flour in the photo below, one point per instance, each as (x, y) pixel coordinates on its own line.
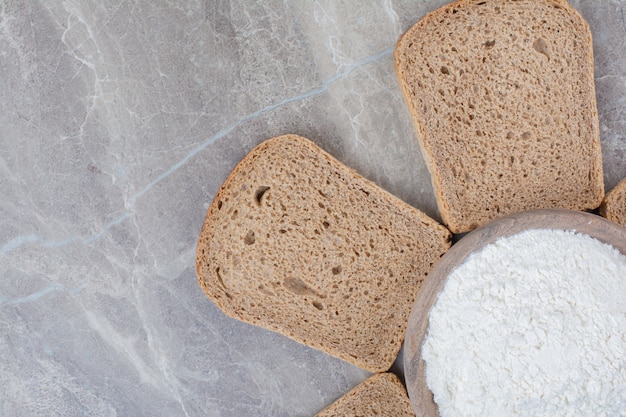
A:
(532, 325)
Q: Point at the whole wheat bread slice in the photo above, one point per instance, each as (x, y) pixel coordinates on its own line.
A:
(300, 244)
(614, 204)
(502, 98)
(380, 395)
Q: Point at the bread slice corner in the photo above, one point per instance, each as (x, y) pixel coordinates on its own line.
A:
(501, 94)
(298, 243)
(614, 204)
(380, 395)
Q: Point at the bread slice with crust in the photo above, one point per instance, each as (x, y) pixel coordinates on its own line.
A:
(502, 98)
(302, 245)
(614, 205)
(379, 395)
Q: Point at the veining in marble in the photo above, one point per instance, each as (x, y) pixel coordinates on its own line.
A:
(119, 120)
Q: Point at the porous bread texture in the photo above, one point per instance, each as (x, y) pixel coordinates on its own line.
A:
(297, 243)
(502, 98)
(380, 395)
(613, 206)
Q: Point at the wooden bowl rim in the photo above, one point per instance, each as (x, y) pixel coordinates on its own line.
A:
(552, 219)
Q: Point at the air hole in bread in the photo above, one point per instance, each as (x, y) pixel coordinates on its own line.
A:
(219, 205)
(219, 279)
(490, 44)
(318, 305)
(325, 224)
(297, 286)
(249, 239)
(258, 195)
(444, 70)
(542, 47)
(337, 270)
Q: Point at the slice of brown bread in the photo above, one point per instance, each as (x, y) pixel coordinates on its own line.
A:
(300, 244)
(379, 395)
(614, 204)
(502, 98)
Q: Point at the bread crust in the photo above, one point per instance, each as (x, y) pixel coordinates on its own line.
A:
(501, 129)
(298, 243)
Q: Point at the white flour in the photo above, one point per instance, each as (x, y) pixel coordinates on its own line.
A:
(532, 325)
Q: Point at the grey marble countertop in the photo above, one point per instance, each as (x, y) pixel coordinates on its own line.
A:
(119, 120)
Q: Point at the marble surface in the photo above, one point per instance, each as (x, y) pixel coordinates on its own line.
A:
(118, 122)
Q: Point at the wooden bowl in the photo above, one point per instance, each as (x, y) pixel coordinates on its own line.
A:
(414, 366)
